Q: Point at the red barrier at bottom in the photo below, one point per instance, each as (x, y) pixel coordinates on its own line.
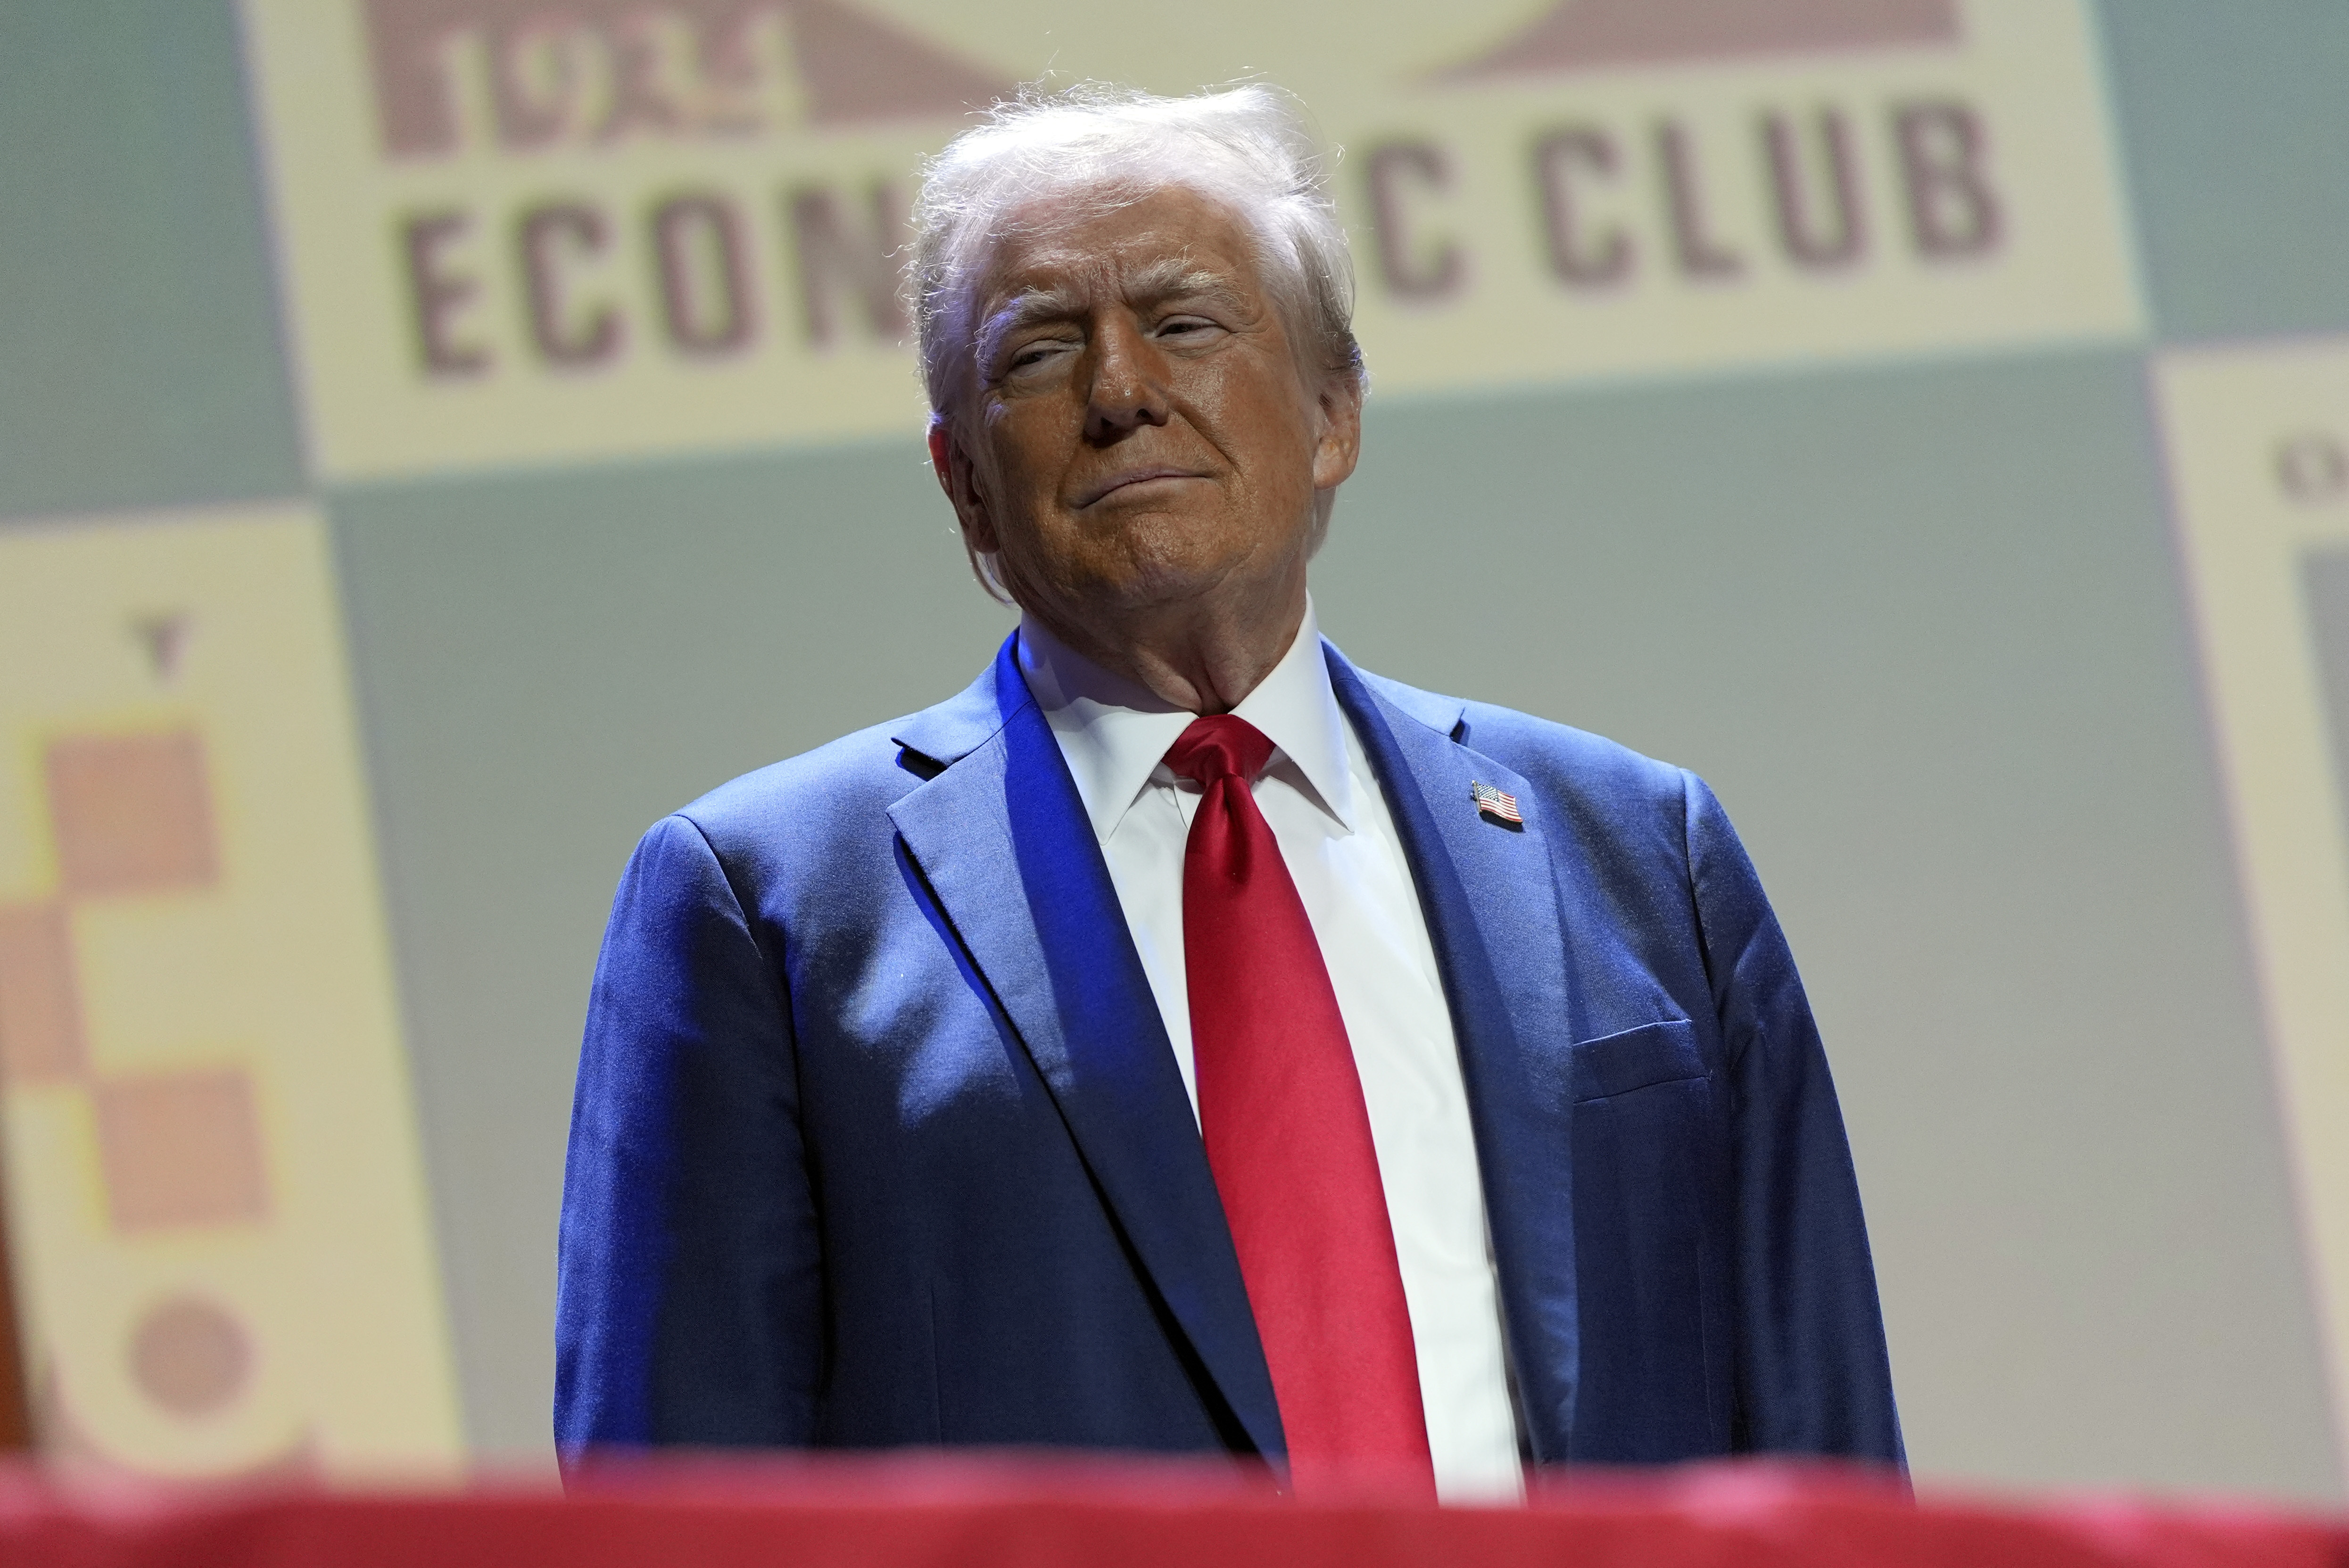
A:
(935, 1514)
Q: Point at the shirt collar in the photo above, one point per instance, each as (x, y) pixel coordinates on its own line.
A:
(1115, 733)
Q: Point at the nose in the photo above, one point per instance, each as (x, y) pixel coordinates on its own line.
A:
(1128, 386)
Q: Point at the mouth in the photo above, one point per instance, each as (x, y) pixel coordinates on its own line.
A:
(1125, 483)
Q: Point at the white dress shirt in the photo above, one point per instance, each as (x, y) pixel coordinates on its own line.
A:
(1336, 835)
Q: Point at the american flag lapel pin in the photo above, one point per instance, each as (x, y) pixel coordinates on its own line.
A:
(1498, 805)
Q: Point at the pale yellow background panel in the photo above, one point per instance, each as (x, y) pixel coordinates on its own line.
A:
(2228, 416)
(2054, 266)
(272, 978)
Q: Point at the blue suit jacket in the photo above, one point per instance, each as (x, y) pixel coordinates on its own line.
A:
(879, 1139)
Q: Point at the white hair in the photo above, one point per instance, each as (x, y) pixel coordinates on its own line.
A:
(1246, 147)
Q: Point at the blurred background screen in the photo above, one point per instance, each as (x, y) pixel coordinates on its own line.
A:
(438, 437)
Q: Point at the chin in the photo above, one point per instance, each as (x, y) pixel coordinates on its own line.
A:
(1182, 543)
(1147, 585)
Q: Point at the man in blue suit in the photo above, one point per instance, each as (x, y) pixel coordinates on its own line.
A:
(1183, 1040)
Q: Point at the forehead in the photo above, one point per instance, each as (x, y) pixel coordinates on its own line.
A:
(1070, 241)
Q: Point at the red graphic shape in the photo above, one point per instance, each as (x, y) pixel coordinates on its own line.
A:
(859, 68)
(190, 1356)
(1578, 34)
(182, 1149)
(592, 71)
(131, 814)
(40, 1011)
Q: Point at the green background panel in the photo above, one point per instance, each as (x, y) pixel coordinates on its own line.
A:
(139, 361)
(2234, 118)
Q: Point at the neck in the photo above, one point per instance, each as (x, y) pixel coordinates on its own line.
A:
(1202, 657)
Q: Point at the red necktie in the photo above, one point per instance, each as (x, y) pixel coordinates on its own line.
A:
(1280, 1107)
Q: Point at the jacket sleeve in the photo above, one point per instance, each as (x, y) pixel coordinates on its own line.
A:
(1812, 1372)
(689, 1304)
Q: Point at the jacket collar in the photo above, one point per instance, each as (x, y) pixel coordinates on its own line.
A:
(1002, 843)
(1490, 893)
(942, 736)
(945, 734)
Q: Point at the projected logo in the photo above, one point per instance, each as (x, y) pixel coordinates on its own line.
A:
(215, 1201)
(130, 817)
(522, 230)
(2258, 444)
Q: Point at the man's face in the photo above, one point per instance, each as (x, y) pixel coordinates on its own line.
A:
(1137, 434)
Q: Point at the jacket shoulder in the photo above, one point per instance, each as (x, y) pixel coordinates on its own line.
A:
(856, 779)
(1556, 758)
(808, 798)
(1559, 757)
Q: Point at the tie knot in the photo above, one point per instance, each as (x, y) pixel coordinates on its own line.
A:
(1219, 747)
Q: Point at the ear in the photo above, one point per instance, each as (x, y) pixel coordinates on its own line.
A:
(1338, 445)
(958, 477)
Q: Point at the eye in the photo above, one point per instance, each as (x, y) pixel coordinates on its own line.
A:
(1028, 356)
(1189, 330)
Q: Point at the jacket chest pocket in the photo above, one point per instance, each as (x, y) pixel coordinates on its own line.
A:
(1634, 1059)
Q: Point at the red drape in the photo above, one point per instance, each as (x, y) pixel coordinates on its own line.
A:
(978, 1515)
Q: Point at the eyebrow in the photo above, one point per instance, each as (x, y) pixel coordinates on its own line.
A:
(1172, 277)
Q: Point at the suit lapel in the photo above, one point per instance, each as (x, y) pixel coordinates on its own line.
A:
(1001, 838)
(1490, 895)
